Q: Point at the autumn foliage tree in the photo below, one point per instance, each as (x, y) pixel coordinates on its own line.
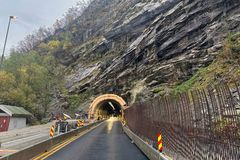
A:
(27, 80)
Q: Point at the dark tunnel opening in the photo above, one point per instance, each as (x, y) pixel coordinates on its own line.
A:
(108, 109)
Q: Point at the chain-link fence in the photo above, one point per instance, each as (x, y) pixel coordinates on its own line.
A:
(201, 124)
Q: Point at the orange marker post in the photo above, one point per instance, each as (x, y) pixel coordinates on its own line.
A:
(79, 123)
(160, 143)
(52, 131)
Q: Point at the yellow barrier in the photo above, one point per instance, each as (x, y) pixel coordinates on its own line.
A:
(160, 144)
(52, 131)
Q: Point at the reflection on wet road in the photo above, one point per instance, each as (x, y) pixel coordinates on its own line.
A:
(106, 142)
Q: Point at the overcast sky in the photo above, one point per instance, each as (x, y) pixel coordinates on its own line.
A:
(31, 15)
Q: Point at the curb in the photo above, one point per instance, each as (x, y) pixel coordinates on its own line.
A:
(148, 150)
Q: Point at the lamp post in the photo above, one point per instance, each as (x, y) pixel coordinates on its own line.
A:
(5, 42)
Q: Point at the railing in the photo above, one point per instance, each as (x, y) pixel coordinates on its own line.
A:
(200, 124)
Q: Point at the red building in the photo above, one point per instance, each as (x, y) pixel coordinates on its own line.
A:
(12, 117)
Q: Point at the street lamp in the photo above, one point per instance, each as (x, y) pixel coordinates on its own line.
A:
(4, 47)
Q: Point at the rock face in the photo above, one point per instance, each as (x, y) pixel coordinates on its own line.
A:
(138, 45)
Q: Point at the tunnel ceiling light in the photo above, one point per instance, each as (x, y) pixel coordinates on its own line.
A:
(110, 103)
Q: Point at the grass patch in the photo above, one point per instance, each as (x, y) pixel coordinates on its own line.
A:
(225, 67)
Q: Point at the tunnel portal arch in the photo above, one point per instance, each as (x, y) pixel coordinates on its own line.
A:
(100, 100)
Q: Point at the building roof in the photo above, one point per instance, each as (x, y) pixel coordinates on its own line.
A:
(15, 111)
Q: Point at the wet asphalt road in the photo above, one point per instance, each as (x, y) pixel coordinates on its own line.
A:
(106, 142)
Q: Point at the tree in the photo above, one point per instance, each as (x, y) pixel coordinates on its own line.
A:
(28, 80)
(7, 81)
(54, 45)
(31, 73)
(43, 34)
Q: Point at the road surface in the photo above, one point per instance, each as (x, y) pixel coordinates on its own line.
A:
(106, 142)
(21, 138)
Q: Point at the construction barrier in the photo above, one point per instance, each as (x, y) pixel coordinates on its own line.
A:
(79, 123)
(147, 149)
(199, 123)
(52, 131)
(160, 143)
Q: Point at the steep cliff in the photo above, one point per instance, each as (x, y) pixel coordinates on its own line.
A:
(138, 48)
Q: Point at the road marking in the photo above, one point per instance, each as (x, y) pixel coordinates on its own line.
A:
(65, 143)
(55, 149)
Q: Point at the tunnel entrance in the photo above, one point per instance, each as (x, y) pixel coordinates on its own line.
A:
(109, 108)
(107, 105)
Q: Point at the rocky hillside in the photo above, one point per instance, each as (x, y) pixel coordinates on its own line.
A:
(140, 47)
(137, 49)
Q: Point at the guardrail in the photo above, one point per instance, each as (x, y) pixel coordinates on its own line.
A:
(46, 145)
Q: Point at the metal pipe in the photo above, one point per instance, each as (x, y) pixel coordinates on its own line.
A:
(58, 130)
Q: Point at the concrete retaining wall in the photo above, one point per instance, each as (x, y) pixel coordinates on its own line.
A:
(44, 146)
(148, 150)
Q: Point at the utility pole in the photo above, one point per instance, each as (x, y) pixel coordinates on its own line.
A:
(5, 42)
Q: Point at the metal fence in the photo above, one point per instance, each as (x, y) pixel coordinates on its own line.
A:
(200, 124)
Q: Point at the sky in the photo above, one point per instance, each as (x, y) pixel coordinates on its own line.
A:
(31, 14)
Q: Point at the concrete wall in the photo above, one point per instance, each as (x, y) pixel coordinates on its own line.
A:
(42, 147)
(17, 122)
(148, 150)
